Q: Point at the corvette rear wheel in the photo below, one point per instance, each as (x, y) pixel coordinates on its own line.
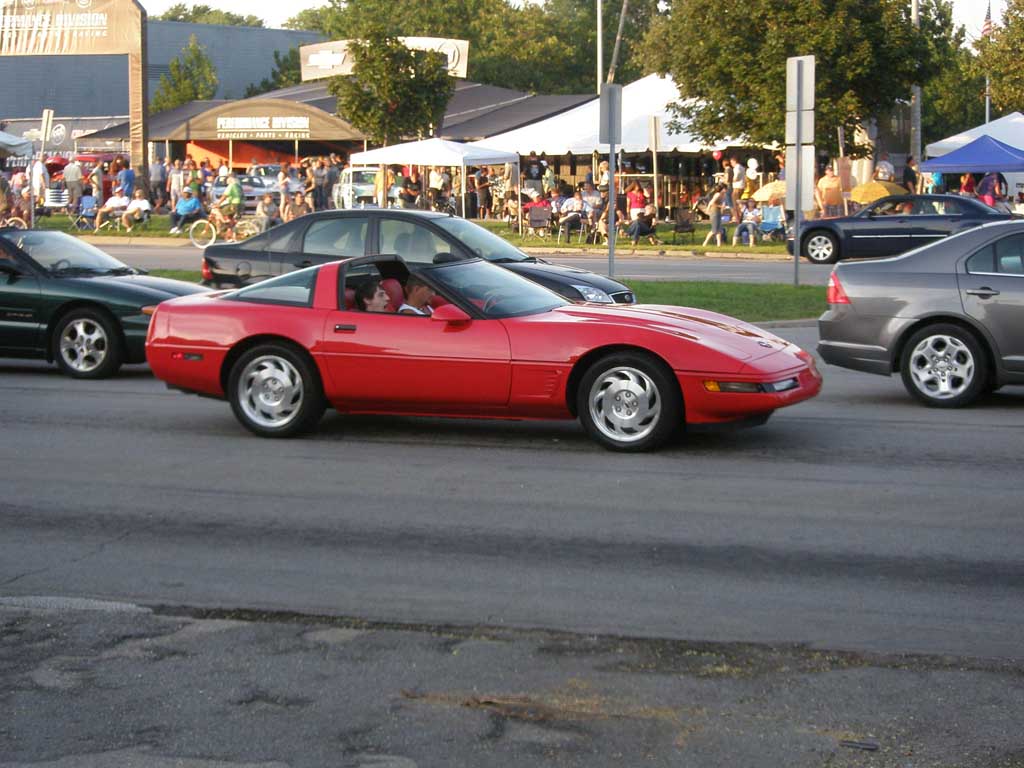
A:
(86, 345)
(944, 366)
(821, 248)
(275, 391)
(629, 402)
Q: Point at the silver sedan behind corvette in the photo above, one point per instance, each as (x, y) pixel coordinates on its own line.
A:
(949, 316)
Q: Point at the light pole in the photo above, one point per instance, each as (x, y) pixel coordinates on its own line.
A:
(600, 45)
(915, 93)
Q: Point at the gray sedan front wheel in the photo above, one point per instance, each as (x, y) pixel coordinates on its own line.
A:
(944, 366)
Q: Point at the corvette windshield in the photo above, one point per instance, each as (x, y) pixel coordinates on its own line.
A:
(480, 241)
(496, 291)
(59, 253)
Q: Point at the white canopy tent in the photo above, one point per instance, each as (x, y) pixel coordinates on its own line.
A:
(1008, 129)
(14, 145)
(576, 130)
(438, 152)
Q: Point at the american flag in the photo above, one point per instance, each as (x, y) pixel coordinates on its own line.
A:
(986, 26)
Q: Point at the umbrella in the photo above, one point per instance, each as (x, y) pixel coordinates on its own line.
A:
(14, 145)
(875, 190)
(776, 189)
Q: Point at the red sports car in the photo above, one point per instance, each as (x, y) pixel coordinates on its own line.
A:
(495, 345)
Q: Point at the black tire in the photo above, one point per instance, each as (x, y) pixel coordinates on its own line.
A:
(290, 400)
(87, 344)
(944, 366)
(821, 247)
(647, 385)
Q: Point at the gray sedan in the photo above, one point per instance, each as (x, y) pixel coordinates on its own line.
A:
(949, 316)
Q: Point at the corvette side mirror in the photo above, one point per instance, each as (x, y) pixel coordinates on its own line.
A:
(451, 314)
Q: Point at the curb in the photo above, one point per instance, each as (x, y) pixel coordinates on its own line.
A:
(164, 242)
(585, 253)
(809, 322)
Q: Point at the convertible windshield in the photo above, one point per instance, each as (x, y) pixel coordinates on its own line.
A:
(57, 252)
(497, 292)
(480, 241)
(363, 177)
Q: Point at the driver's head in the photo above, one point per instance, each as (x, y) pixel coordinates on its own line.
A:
(417, 292)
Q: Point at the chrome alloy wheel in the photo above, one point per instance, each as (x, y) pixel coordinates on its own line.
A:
(820, 248)
(270, 391)
(625, 404)
(84, 345)
(942, 367)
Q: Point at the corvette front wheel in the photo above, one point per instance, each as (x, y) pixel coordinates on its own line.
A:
(629, 402)
(275, 391)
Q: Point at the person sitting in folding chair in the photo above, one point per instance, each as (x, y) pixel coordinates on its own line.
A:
(773, 221)
(83, 215)
(138, 210)
(113, 207)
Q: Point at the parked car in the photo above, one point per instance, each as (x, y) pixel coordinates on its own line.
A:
(268, 173)
(64, 300)
(891, 226)
(496, 345)
(356, 187)
(420, 237)
(253, 190)
(948, 316)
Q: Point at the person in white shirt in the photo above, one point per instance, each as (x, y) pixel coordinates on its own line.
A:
(73, 182)
(884, 170)
(115, 204)
(136, 210)
(417, 297)
(40, 180)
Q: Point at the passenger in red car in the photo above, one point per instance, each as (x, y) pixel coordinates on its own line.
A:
(370, 297)
(417, 297)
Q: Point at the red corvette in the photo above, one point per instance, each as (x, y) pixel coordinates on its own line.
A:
(496, 346)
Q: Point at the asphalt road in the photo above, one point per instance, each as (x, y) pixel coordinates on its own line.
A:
(753, 270)
(855, 521)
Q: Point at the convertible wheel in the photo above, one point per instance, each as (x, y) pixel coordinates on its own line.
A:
(944, 366)
(86, 345)
(628, 402)
(275, 391)
(821, 248)
(202, 233)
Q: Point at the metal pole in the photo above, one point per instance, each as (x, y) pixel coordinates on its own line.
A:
(655, 134)
(600, 44)
(915, 93)
(798, 192)
(612, 208)
(988, 102)
(618, 42)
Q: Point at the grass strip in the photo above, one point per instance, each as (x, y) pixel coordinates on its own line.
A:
(751, 302)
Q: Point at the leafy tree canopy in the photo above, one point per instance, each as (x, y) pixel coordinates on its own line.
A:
(393, 92)
(192, 77)
(287, 71)
(1000, 58)
(729, 62)
(546, 47)
(204, 14)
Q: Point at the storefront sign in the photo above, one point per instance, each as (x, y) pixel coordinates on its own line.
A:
(331, 59)
(263, 127)
(41, 27)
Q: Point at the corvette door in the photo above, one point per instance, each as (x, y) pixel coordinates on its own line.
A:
(379, 361)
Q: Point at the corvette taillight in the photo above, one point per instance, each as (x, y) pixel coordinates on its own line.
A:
(835, 293)
(207, 272)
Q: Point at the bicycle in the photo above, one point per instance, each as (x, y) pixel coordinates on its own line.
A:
(13, 221)
(205, 231)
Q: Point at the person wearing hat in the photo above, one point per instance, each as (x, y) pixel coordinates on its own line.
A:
(114, 206)
(185, 210)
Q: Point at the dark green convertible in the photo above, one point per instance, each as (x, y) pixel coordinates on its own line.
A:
(62, 299)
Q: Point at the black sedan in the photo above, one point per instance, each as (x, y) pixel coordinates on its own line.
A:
(419, 237)
(892, 226)
(63, 300)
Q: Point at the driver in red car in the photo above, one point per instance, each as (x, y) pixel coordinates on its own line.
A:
(417, 297)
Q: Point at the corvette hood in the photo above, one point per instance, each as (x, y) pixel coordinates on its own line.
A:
(567, 274)
(737, 338)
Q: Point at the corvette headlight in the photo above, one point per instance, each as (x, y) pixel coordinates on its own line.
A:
(589, 293)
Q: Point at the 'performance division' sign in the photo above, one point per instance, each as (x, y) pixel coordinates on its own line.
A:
(68, 27)
(263, 127)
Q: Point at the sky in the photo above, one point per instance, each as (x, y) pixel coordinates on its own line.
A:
(970, 13)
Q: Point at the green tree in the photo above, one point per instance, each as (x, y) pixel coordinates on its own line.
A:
(953, 99)
(393, 92)
(729, 63)
(192, 77)
(999, 58)
(310, 19)
(204, 14)
(287, 71)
